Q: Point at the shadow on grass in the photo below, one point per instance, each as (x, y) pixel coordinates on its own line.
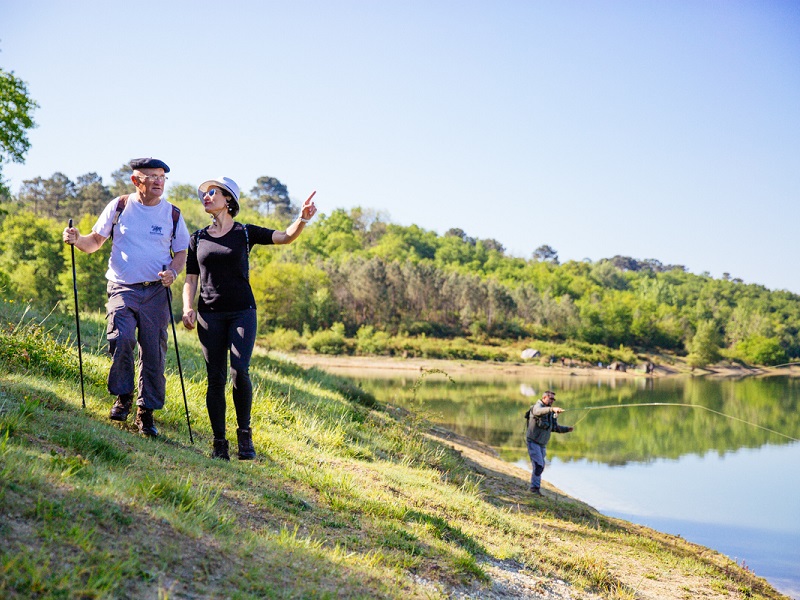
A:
(334, 383)
(443, 530)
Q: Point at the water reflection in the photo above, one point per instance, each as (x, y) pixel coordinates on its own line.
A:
(681, 470)
(491, 411)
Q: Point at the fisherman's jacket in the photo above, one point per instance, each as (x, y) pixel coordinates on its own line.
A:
(541, 423)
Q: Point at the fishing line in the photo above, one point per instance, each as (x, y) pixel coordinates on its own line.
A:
(711, 410)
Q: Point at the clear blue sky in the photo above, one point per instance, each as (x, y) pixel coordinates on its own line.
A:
(667, 130)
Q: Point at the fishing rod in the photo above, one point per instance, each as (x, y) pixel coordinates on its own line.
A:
(711, 410)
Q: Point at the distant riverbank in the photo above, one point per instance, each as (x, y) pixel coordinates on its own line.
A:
(381, 364)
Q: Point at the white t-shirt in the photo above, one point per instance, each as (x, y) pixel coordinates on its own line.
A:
(141, 239)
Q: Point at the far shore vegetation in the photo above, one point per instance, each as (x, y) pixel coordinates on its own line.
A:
(357, 284)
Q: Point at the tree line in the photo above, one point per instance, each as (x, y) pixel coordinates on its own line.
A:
(357, 269)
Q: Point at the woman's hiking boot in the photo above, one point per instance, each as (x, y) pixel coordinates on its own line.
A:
(122, 408)
(246, 449)
(144, 421)
(220, 450)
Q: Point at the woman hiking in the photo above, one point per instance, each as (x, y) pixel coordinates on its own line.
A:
(218, 263)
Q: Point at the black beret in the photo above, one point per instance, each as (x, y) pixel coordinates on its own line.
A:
(148, 163)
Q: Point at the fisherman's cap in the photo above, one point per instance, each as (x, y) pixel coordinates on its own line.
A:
(148, 163)
(549, 393)
(227, 184)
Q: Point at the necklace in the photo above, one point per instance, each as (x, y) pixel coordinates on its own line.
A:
(215, 215)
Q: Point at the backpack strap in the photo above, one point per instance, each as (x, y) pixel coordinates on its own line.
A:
(196, 236)
(123, 200)
(247, 249)
(176, 215)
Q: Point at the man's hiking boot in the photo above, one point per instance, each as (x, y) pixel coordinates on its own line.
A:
(122, 408)
(220, 450)
(144, 421)
(246, 449)
(537, 492)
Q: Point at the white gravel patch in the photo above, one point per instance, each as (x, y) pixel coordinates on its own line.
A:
(509, 579)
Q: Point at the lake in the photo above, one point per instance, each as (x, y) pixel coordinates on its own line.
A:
(721, 480)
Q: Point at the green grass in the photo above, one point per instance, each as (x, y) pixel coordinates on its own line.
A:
(347, 499)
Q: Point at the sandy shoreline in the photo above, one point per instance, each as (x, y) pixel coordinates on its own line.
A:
(387, 365)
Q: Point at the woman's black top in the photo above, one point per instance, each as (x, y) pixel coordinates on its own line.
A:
(223, 266)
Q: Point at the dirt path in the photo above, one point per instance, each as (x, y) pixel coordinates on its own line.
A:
(380, 366)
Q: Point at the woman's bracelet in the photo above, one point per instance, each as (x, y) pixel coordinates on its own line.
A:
(304, 220)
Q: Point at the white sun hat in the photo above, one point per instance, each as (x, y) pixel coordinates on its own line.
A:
(226, 183)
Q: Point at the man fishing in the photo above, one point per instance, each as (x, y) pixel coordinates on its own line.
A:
(542, 421)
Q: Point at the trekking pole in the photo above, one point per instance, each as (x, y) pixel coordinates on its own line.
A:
(178, 356)
(77, 317)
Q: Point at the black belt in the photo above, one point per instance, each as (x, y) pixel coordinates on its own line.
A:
(148, 283)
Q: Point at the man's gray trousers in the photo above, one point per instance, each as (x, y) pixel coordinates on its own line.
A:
(138, 314)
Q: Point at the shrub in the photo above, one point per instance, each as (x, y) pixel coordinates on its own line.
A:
(431, 329)
(369, 341)
(328, 341)
(761, 350)
(284, 339)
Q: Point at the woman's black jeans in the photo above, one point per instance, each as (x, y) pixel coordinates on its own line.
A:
(222, 334)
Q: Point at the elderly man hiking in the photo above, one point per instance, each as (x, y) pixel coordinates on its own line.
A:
(542, 422)
(145, 231)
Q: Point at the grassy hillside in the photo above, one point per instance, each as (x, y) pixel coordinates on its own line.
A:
(348, 499)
